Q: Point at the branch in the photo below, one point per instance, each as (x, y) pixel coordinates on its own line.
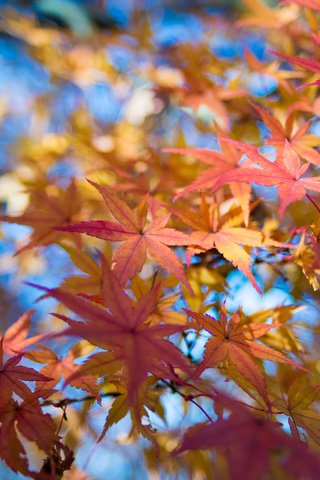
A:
(68, 401)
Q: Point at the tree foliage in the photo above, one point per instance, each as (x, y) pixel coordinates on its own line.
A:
(197, 183)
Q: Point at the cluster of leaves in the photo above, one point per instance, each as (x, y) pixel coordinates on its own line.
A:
(159, 234)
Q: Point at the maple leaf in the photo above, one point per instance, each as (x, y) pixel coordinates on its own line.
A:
(299, 141)
(309, 64)
(234, 340)
(32, 423)
(163, 310)
(247, 441)
(46, 211)
(13, 376)
(148, 399)
(300, 407)
(271, 70)
(213, 230)
(214, 97)
(15, 337)
(137, 238)
(11, 449)
(158, 182)
(198, 90)
(283, 338)
(130, 341)
(88, 285)
(220, 162)
(118, 410)
(285, 172)
(56, 368)
(229, 241)
(308, 258)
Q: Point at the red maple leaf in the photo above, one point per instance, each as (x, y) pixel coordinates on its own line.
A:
(308, 64)
(124, 331)
(45, 211)
(248, 441)
(13, 376)
(285, 172)
(220, 162)
(137, 237)
(32, 423)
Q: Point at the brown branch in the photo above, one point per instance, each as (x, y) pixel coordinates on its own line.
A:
(68, 401)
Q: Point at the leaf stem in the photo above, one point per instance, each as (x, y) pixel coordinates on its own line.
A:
(187, 398)
(63, 417)
(313, 202)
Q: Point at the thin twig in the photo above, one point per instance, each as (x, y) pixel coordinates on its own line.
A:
(63, 417)
(313, 202)
(67, 401)
(209, 395)
(187, 398)
(190, 399)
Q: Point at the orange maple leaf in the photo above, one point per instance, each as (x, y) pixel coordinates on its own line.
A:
(300, 141)
(222, 232)
(15, 337)
(45, 211)
(57, 367)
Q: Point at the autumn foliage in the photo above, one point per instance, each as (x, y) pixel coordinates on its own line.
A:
(178, 226)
